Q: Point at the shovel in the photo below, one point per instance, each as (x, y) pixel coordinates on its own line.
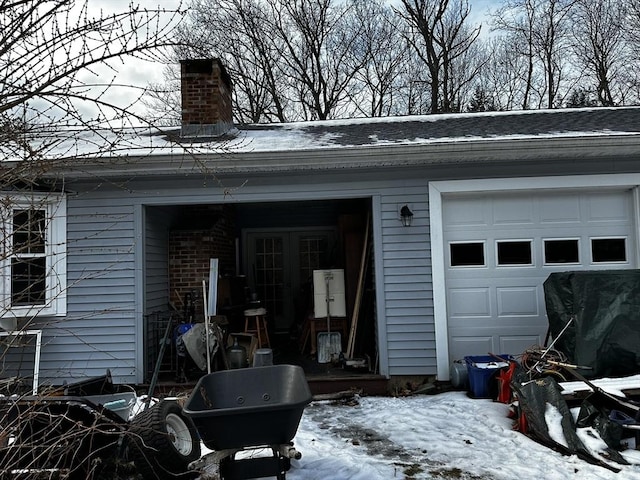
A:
(329, 343)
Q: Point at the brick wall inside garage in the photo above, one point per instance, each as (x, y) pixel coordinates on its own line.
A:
(190, 251)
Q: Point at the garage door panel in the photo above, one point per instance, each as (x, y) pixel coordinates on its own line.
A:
(466, 302)
(513, 326)
(517, 301)
(517, 211)
(516, 345)
(607, 208)
(460, 347)
(464, 213)
(560, 210)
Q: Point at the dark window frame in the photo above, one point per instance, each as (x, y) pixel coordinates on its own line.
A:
(558, 251)
(467, 264)
(604, 239)
(531, 259)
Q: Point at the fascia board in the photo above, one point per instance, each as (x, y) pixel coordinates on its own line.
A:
(514, 151)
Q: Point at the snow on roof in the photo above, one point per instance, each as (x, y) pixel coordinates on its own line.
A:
(406, 130)
(530, 136)
(345, 133)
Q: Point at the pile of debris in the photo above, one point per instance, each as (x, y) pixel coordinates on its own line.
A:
(587, 376)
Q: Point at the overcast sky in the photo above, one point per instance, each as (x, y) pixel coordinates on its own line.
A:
(128, 71)
(140, 73)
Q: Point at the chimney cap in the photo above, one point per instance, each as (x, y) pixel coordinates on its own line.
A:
(205, 65)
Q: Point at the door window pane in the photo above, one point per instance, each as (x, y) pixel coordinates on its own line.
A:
(608, 250)
(269, 272)
(516, 252)
(467, 254)
(561, 251)
(313, 251)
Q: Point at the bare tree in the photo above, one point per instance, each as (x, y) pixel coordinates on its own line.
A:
(630, 76)
(632, 23)
(57, 80)
(598, 43)
(163, 100)
(57, 73)
(550, 41)
(289, 60)
(415, 94)
(319, 60)
(505, 75)
(517, 19)
(59, 93)
(440, 37)
(379, 81)
(240, 33)
(542, 26)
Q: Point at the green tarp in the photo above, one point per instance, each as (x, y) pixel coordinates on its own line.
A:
(605, 331)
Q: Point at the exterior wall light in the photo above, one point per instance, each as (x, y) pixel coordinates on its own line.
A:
(406, 216)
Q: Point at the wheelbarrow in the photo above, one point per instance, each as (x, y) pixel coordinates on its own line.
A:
(249, 410)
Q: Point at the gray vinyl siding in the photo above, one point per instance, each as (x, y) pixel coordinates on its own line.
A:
(99, 331)
(408, 292)
(103, 324)
(156, 261)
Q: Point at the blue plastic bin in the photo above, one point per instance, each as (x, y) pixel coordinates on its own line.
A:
(482, 370)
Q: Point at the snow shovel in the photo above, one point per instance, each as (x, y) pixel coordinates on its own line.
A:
(329, 343)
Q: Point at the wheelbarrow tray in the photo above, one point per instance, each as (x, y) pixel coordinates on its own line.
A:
(249, 407)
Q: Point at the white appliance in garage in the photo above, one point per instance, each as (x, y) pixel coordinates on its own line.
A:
(329, 293)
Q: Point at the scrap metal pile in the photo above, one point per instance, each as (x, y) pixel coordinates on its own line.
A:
(594, 328)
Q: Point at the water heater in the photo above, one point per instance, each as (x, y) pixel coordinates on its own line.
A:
(328, 289)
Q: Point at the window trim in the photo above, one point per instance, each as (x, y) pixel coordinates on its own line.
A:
(515, 265)
(610, 237)
(560, 239)
(484, 253)
(55, 207)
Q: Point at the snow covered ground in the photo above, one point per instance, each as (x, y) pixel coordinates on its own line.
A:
(448, 436)
(444, 436)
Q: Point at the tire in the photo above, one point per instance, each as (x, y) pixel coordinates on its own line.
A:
(163, 441)
(59, 435)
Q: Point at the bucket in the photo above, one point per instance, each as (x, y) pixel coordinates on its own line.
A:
(459, 375)
(263, 357)
(482, 372)
(237, 355)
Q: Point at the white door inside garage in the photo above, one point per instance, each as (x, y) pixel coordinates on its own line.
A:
(500, 247)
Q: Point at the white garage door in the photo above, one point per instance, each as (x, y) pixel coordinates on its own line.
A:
(500, 248)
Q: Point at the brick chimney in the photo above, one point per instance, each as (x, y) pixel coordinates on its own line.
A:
(206, 98)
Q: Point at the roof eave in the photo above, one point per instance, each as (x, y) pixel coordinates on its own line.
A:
(437, 153)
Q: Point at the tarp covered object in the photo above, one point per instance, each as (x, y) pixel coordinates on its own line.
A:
(534, 399)
(605, 332)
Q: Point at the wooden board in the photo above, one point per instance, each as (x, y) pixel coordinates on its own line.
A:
(359, 291)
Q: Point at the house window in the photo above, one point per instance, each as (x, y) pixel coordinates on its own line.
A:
(608, 250)
(28, 260)
(514, 252)
(34, 257)
(561, 251)
(468, 254)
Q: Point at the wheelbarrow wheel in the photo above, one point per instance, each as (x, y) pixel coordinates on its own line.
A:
(163, 442)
